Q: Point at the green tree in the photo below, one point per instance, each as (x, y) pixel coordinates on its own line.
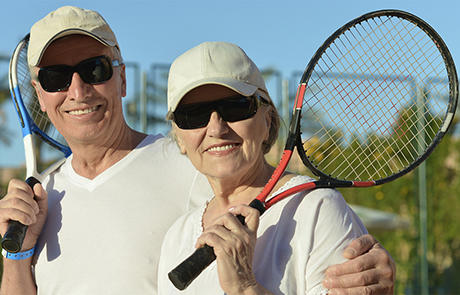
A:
(401, 197)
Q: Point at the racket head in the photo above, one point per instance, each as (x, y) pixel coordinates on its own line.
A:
(34, 123)
(376, 98)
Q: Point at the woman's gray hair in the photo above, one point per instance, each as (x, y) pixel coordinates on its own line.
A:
(274, 123)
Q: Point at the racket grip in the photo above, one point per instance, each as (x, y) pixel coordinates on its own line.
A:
(16, 231)
(191, 267)
(184, 274)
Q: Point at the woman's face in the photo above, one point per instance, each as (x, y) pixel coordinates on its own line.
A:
(224, 149)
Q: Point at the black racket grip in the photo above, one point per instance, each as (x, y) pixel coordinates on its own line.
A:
(184, 274)
(191, 267)
(16, 231)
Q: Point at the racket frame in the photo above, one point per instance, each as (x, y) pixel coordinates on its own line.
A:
(15, 234)
(328, 180)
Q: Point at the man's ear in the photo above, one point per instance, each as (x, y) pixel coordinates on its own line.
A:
(38, 91)
(123, 80)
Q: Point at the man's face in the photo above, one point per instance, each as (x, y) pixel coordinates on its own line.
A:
(84, 113)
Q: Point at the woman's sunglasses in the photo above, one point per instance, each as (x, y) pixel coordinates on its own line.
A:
(93, 70)
(231, 109)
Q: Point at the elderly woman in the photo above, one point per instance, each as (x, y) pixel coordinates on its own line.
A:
(224, 120)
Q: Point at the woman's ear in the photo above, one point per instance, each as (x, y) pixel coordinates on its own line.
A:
(179, 142)
(181, 146)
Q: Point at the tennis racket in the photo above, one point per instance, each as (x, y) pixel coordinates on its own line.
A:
(33, 122)
(372, 104)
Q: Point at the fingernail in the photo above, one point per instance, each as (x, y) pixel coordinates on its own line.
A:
(350, 252)
(231, 209)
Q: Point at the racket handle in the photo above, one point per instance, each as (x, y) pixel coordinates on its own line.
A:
(16, 231)
(190, 268)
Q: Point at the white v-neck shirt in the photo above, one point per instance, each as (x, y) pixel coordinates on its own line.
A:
(297, 239)
(103, 236)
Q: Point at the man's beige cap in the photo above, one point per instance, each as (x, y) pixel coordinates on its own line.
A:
(64, 21)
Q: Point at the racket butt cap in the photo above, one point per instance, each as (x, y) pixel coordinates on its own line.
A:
(14, 236)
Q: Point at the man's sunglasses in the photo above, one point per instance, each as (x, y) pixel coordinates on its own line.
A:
(231, 109)
(93, 70)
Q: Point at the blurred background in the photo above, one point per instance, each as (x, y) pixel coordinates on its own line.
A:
(414, 217)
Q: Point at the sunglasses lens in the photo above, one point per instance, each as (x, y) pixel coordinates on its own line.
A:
(55, 78)
(192, 116)
(92, 71)
(237, 109)
(95, 70)
(197, 115)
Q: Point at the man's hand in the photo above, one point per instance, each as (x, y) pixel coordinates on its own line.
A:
(26, 205)
(370, 270)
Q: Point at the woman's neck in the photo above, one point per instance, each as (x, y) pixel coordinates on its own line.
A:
(234, 191)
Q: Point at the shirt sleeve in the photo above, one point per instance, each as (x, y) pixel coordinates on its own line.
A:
(335, 226)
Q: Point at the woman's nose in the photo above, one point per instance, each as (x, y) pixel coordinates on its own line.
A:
(216, 125)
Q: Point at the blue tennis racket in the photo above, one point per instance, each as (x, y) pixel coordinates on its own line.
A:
(35, 126)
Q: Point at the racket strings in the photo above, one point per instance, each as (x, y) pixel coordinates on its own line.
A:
(340, 166)
(374, 100)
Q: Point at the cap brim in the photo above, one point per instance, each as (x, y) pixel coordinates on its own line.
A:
(71, 32)
(236, 85)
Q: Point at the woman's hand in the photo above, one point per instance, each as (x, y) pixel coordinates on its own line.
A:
(234, 245)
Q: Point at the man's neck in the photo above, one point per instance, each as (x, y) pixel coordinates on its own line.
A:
(90, 160)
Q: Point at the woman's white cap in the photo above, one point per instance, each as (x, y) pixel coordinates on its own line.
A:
(218, 63)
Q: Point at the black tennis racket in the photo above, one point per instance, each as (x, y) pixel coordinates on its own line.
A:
(34, 123)
(372, 104)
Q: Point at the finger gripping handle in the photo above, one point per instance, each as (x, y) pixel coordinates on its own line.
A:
(190, 268)
(16, 231)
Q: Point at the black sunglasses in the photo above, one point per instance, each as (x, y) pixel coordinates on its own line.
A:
(93, 70)
(231, 109)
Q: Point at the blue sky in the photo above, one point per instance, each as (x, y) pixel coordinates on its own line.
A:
(282, 34)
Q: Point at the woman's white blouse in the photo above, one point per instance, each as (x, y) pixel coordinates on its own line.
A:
(297, 239)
